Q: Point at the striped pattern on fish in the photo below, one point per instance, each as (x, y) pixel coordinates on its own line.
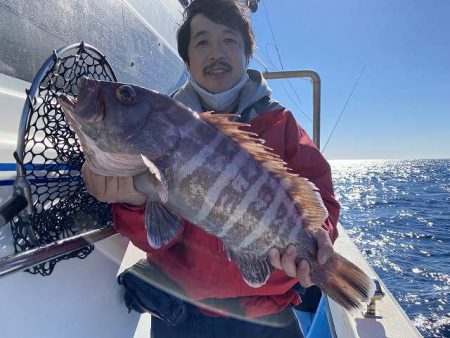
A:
(228, 189)
(206, 169)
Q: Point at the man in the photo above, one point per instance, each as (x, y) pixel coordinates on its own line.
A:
(216, 42)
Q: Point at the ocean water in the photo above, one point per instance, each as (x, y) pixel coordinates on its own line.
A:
(398, 214)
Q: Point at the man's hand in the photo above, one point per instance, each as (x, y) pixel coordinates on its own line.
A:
(302, 271)
(111, 189)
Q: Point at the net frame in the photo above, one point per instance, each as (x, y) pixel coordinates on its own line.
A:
(49, 158)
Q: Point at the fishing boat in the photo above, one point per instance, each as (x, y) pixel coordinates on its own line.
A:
(59, 256)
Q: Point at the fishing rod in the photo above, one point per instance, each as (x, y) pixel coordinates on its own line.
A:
(344, 107)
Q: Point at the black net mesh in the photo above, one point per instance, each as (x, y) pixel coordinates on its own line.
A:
(52, 160)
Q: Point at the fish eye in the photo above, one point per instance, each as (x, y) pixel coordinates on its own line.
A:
(126, 94)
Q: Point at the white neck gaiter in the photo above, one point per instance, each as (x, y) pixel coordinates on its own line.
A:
(221, 101)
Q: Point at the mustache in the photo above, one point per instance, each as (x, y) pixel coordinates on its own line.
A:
(218, 63)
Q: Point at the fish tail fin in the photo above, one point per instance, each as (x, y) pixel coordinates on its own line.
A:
(343, 281)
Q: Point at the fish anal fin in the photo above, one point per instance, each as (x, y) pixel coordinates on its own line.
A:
(255, 270)
(304, 193)
(161, 224)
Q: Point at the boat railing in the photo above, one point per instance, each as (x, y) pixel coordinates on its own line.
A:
(315, 78)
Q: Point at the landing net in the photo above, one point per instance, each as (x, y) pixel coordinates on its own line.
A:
(51, 158)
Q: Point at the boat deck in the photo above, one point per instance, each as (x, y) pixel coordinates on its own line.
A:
(391, 320)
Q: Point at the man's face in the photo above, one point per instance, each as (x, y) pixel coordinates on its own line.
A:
(216, 53)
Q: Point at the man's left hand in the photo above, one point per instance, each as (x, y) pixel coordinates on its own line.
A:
(286, 262)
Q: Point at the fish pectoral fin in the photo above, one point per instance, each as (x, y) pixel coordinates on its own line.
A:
(161, 224)
(255, 270)
(157, 179)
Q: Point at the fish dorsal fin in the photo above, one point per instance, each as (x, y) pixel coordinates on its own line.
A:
(304, 193)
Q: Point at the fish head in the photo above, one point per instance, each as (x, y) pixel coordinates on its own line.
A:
(120, 119)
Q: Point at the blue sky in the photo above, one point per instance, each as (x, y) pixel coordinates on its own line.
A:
(401, 105)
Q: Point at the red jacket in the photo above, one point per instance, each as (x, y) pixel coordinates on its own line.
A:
(197, 260)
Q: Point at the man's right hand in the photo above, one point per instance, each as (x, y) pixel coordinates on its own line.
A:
(112, 189)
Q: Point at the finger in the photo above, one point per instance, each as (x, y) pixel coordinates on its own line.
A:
(288, 261)
(96, 185)
(130, 195)
(110, 188)
(125, 186)
(275, 260)
(85, 170)
(325, 247)
(324, 254)
(87, 177)
(303, 274)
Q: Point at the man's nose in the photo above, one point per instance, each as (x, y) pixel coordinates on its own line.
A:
(216, 52)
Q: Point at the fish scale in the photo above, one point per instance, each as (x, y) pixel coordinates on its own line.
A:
(219, 185)
(245, 221)
(231, 163)
(267, 220)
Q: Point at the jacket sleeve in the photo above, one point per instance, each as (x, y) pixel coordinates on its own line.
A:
(303, 157)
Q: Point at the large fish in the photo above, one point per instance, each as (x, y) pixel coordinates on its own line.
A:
(204, 168)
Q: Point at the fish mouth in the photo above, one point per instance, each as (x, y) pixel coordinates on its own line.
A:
(100, 109)
(67, 103)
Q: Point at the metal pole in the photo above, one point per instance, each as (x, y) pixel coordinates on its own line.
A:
(316, 94)
(29, 258)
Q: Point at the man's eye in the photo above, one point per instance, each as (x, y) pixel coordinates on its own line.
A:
(230, 40)
(202, 43)
(126, 94)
